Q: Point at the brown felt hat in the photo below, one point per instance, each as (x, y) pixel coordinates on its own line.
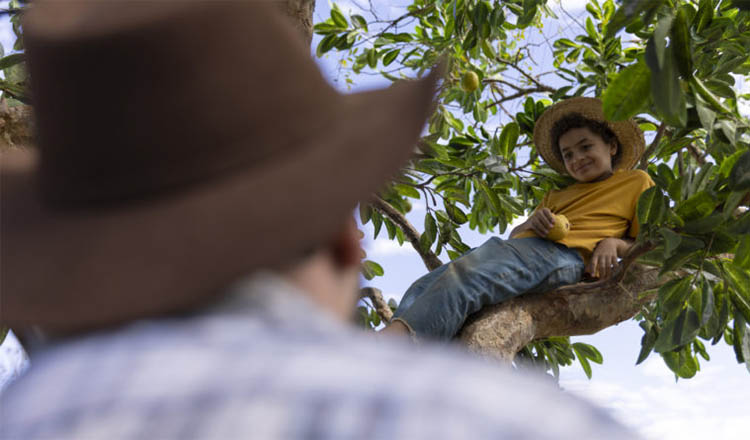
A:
(627, 132)
(181, 145)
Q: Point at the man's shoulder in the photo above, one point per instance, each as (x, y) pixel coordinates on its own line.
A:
(290, 381)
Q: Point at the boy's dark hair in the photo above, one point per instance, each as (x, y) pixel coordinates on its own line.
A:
(577, 120)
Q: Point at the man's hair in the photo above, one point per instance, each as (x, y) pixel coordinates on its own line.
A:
(577, 120)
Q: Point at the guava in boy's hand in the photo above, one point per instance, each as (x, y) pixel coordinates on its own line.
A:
(548, 225)
(560, 229)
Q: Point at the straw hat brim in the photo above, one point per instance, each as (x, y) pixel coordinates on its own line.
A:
(627, 132)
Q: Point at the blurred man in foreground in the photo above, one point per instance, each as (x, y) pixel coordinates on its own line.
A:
(189, 215)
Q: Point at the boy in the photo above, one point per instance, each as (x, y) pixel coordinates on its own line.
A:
(574, 138)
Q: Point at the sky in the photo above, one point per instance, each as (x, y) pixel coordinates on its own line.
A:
(714, 404)
(646, 397)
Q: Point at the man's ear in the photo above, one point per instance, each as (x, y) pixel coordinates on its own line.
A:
(345, 247)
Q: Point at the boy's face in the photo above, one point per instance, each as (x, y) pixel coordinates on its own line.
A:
(586, 156)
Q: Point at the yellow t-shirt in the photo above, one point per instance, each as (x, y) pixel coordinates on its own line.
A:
(597, 210)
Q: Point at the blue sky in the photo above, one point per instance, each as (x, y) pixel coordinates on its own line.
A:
(645, 397)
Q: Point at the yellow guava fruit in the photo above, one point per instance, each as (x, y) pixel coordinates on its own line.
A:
(470, 81)
(560, 229)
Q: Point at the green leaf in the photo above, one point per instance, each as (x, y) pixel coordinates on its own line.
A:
(591, 29)
(680, 42)
(742, 256)
(679, 331)
(406, 190)
(12, 60)
(338, 18)
(628, 93)
(430, 227)
(390, 56)
(492, 199)
(508, 138)
(739, 279)
(584, 363)
(647, 344)
(589, 351)
(671, 241)
(456, 214)
(453, 122)
(739, 177)
(738, 338)
(698, 206)
(365, 212)
(704, 15)
(628, 11)
(325, 45)
(371, 269)
(372, 58)
(706, 115)
(658, 42)
(651, 206)
(359, 22)
(729, 130)
(673, 294)
(666, 90)
(377, 223)
(705, 93)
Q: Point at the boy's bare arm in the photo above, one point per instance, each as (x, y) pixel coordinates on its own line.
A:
(604, 259)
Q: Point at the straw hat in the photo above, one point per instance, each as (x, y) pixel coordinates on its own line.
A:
(627, 132)
(181, 145)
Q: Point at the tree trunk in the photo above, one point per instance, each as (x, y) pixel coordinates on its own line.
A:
(15, 126)
(301, 14)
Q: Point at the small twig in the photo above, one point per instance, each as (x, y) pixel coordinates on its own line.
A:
(431, 261)
(651, 148)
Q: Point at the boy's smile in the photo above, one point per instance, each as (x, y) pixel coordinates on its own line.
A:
(586, 156)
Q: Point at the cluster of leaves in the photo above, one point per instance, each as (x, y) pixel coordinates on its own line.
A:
(13, 85)
(552, 353)
(702, 171)
(669, 64)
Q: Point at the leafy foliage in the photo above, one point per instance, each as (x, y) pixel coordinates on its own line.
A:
(12, 65)
(670, 64)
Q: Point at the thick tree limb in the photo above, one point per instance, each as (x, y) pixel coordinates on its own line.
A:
(431, 261)
(500, 331)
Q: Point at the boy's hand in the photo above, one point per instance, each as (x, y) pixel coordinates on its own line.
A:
(604, 259)
(542, 221)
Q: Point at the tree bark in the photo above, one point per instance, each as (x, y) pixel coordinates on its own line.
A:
(501, 330)
(15, 126)
(301, 14)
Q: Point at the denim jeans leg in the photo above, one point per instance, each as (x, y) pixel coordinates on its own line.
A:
(436, 305)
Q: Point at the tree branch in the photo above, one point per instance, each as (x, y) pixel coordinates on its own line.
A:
(651, 148)
(381, 306)
(431, 261)
(501, 330)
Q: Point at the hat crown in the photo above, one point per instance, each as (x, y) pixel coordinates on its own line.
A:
(144, 103)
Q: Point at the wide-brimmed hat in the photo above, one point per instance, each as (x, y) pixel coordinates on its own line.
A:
(627, 132)
(181, 145)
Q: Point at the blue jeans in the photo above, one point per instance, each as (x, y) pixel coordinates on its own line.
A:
(436, 305)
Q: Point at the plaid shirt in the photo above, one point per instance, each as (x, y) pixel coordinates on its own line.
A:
(267, 364)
